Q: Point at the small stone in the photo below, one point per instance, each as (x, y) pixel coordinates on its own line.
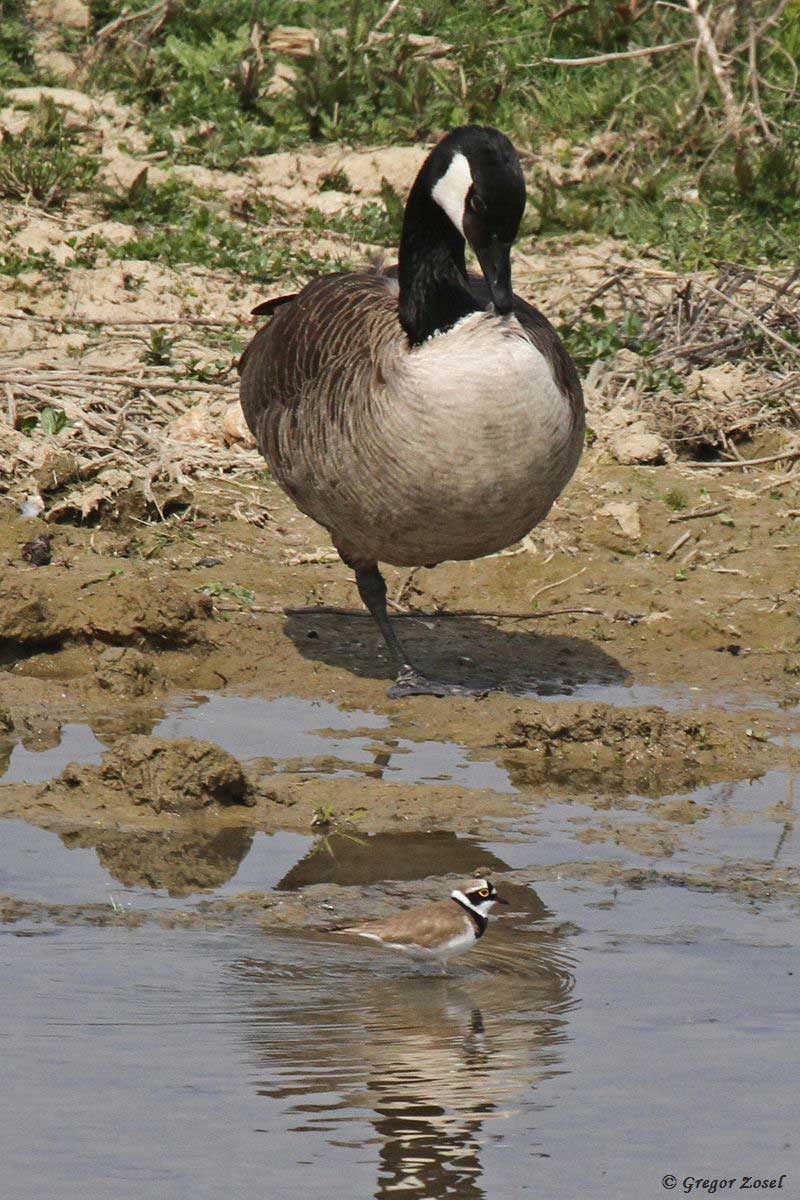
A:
(632, 446)
(626, 514)
(234, 426)
(74, 14)
(123, 173)
(32, 506)
(38, 551)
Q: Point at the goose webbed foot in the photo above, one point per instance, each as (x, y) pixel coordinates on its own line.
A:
(411, 682)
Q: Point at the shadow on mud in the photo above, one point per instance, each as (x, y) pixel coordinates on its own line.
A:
(457, 649)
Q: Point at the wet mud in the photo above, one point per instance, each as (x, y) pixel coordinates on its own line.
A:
(206, 667)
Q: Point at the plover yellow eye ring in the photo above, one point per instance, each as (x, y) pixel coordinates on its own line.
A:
(483, 892)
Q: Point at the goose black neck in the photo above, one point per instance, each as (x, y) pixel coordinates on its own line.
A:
(434, 293)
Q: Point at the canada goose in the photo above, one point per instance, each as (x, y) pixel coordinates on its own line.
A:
(421, 413)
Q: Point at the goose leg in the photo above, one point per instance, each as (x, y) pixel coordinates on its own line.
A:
(410, 681)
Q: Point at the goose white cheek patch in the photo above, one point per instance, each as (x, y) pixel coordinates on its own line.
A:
(450, 193)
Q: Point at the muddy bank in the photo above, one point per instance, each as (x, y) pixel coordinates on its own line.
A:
(582, 751)
(322, 908)
(605, 606)
(635, 674)
(645, 750)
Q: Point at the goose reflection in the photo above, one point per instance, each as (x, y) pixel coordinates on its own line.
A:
(432, 1063)
(368, 858)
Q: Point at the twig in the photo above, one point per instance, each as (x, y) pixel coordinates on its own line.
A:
(452, 613)
(616, 56)
(765, 329)
(791, 477)
(210, 321)
(567, 11)
(748, 462)
(400, 594)
(675, 547)
(700, 512)
(752, 58)
(763, 27)
(586, 304)
(121, 22)
(549, 586)
(50, 377)
(733, 113)
(387, 16)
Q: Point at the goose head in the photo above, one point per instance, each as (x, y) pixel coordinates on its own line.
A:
(469, 191)
(476, 179)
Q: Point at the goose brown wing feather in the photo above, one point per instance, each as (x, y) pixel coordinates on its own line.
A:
(267, 307)
(319, 348)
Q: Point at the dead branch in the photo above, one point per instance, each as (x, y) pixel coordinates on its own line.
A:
(675, 547)
(113, 27)
(786, 456)
(733, 113)
(387, 16)
(616, 56)
(333, 610)
(567, 11)
(761, 29)
(765, 329)
(700, 512)
(752, 58)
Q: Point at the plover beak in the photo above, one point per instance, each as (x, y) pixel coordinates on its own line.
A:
(501, 900)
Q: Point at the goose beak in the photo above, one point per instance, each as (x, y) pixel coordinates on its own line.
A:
(495, 261)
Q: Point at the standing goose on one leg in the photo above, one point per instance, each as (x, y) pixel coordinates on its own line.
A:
(421, 414)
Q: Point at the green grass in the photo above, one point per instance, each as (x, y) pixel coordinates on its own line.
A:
(602, 336)
(174, 224)
(671, 183)
(676, 500)
(45, 164)
(16, 41)
(14, 262)
(378, 222)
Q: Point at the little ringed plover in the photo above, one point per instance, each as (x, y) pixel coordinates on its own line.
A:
(440, 930)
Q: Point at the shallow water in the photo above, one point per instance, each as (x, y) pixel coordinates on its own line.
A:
(751, 821)
(284, 728)
(661, 1037)
(598, 1039)
(313, 737)
(74, 743)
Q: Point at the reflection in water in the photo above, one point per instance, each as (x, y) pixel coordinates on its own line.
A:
(44, 748)
(430, 1062)
(181, 863)
(381, 760)
(364, 859)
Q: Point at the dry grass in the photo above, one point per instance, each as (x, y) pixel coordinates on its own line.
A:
(714, 357)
